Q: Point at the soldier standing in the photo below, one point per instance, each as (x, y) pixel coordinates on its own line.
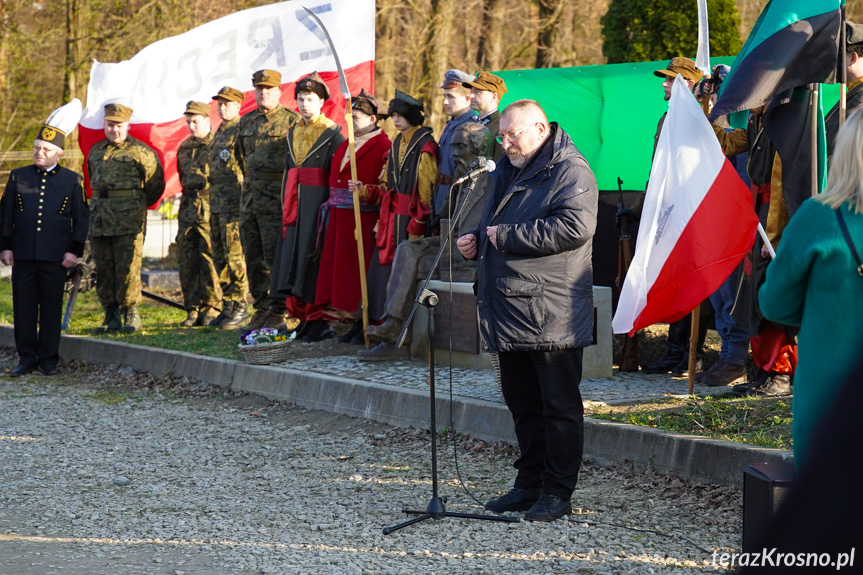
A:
(226, 181)
(126, 177)
(198, 277)
(262, 145)
(44, 227)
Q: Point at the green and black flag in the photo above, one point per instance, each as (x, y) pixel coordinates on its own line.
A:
(794, 43)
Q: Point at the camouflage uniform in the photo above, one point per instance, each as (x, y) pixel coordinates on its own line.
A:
(226, 180)
(125, 179)
(262, 145)
(199, 279)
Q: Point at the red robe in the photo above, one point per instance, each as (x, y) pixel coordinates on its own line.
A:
(338, 277)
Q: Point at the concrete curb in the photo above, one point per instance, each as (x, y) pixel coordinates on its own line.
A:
(692, 457)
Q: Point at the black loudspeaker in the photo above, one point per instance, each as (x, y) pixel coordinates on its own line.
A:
(765, 486)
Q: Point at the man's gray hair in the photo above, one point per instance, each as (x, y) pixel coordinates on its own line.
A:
(527, 107)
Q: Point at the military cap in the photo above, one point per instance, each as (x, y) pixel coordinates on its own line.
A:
(853, 33)
(408, 107)
(269, 78)
(455, 78)
(489, 82)
(60, 123)
(312, 83)
(683, 66)
(230, 94)
(117, 113)
(197, 108)
(369, 105)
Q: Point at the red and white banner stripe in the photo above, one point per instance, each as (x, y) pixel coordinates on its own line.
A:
(160, 79)
(697, 224)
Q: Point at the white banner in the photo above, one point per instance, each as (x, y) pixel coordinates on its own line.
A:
(158, 81)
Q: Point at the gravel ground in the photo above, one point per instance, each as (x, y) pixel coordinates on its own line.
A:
(116, 472)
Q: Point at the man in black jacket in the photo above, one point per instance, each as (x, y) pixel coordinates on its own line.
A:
(535, 298)
(44, 217)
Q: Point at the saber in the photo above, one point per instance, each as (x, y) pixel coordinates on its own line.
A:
(343, 88)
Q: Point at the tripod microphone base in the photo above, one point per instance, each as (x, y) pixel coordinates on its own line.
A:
(437, 511)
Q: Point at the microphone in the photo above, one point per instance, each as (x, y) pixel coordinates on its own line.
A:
(487, 166)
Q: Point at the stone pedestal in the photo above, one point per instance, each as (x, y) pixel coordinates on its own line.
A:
(597, 357)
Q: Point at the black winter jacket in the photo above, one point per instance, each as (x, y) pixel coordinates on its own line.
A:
(535, 291)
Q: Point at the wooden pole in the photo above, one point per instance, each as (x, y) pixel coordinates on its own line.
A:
(693, 344)
(843, 88)
(358, 229)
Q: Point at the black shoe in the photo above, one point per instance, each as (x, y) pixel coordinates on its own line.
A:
(775, 385)
(49, 370)
(548, 508)
(664, 365)
(318, 331)
(22, 369)
(515, 499)
(239, 314)
(744, 389)
(682, 368)
(350, 335)
(385, 351)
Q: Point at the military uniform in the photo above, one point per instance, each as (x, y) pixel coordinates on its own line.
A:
(262, 145)
(199, 279)
(226, 181)
(125, 179)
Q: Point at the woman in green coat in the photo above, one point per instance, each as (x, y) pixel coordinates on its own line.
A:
(815, 283)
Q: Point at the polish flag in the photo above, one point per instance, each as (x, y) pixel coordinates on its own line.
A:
(160, 79)
(698, 222)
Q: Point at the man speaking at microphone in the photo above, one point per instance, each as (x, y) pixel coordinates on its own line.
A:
(535, 298)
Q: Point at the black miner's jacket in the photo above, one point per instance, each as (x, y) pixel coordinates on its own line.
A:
(44, 214)
(535, 291)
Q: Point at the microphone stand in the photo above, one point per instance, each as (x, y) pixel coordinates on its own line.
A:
(436, 509)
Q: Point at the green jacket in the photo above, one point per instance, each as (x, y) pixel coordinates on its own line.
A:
(193, 163)
(262, 145)
(125, 179)
(226, 170)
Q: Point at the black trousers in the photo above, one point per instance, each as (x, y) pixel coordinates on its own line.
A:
(541, 390)
(37, 301)
(678, 337)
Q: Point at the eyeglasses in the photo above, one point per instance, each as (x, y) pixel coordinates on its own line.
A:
(511, 137)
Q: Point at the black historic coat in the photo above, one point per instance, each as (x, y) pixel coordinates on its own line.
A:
(305, 190)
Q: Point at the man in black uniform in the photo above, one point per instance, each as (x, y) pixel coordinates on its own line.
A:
(44, 217)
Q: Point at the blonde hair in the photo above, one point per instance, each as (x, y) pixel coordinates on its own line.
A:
(845, 179)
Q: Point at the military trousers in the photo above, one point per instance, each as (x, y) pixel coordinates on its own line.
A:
(118, 268)
(259, 234)
(228, 256)
(199, 279)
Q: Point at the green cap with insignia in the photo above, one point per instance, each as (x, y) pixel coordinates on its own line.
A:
(117, 113)
(268, 78)
(230, 94)
(197, 108)
(853, 33)
(60, 123)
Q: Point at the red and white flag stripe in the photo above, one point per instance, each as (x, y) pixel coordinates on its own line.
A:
(160, 79)
(697, 224)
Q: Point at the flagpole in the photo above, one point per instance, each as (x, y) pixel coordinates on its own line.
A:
(693, 343)
(814, 138)
(843, 88)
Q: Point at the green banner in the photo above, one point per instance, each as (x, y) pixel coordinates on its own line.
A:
(610, 112)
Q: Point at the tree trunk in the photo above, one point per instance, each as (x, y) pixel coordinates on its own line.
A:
(73, 60)
(549, 34)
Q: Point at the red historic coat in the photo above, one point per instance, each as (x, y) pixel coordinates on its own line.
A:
(338, 277)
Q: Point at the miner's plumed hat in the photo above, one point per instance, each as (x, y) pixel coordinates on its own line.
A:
(230, 94)
(408, 107)
(683, 66)
(314, 84)
(197, 108)
(60, 123)
(118, 112)
(369, 105)
(268, 78)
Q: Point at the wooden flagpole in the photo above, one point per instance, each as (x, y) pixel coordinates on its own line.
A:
(358, 229)
(693, 343)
